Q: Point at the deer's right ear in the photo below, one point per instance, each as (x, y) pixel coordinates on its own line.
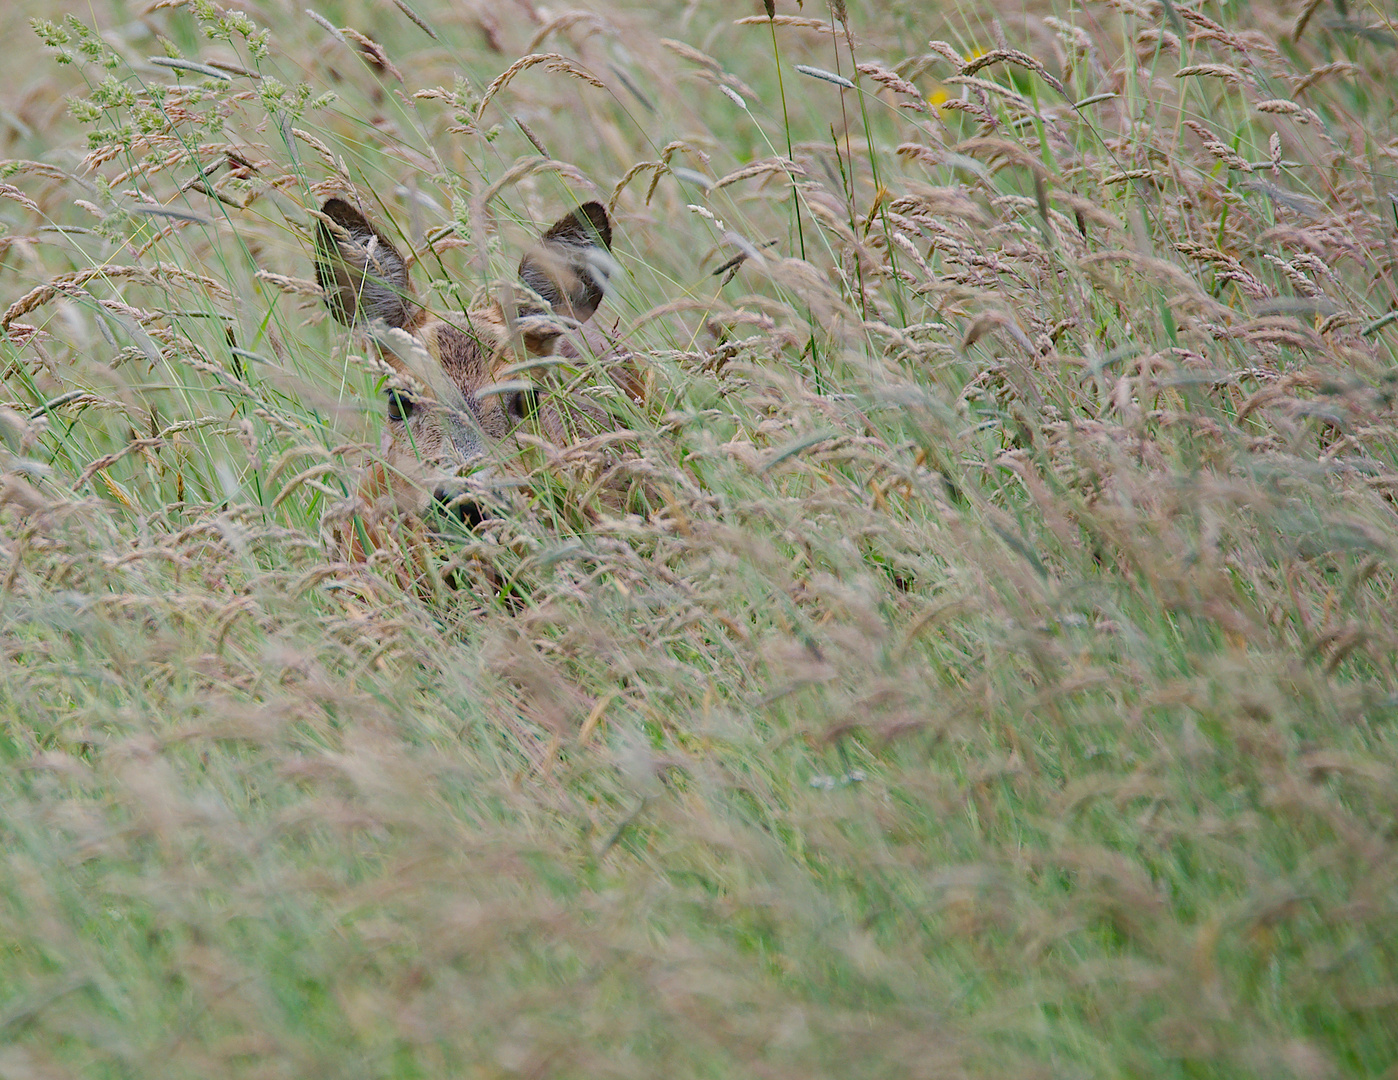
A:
(571, 266)
(362, 273)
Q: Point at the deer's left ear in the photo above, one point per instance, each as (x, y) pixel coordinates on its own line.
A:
(571, 265)
(362, 273)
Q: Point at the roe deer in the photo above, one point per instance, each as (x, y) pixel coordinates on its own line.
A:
(459, 388)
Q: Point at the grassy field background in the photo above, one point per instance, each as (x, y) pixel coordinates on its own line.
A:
(992, 673)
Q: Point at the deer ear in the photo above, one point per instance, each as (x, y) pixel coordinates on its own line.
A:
(571, 265)
(363, 275)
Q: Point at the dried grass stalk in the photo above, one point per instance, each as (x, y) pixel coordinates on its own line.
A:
(68, 283)
(551, 61)
(761, 168)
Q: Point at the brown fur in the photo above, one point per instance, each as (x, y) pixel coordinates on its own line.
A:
(458, 394)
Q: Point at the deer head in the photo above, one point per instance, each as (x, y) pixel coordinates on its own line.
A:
(463, 381)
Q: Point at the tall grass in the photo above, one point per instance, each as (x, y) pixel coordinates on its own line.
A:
(996, 678)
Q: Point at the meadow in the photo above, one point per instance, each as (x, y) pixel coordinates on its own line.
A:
(989, 669)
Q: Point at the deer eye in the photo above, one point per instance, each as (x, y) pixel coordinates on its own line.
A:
(400, 405)
(522, 404)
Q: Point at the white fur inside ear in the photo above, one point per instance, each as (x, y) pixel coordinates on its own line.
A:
(599, 265)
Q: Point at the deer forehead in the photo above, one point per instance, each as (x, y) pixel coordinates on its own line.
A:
(468, 350)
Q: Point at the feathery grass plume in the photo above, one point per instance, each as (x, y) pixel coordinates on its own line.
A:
(171, 212)
(326, 25)
(1217, 71)
(235, 69)
(551, 61)
(890, 79)
(179, 64)
(533, 138)
(776, 165)
(72, 283)
(1013, 56)
(9, 191)
(373, 51)
(636, 170)
(690, 53)
(797, 21)
(417, 19)
(987, 86)
(564, 21)
(827, 76)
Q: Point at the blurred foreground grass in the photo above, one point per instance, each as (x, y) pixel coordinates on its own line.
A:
(998, 680)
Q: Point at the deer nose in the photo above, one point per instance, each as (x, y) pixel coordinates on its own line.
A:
(459, 505)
